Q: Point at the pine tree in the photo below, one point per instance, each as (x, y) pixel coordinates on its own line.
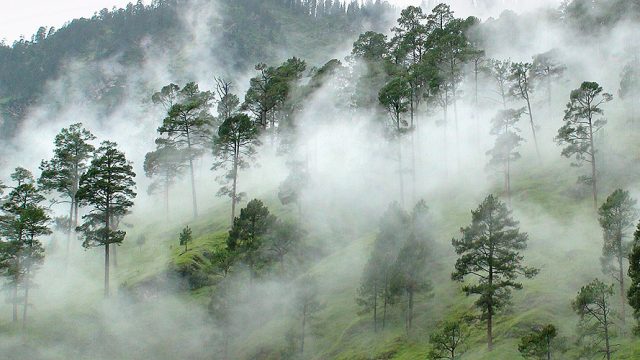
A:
(248, 233)
(595, 328)
(23, 221)
(521, 87)
(546, 68)
(307, 305)
(376, 281)
(62, 173)
(166, 164)
(504, 152)
(185, 238)
(583, 119)
(447, 341)
(499, 71)
(489, 251)
(617, 216)
(108, 187)
(233, 148)
(538, 344)
(633, 294)
(188, 126)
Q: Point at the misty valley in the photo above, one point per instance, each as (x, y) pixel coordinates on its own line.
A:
(323, 179)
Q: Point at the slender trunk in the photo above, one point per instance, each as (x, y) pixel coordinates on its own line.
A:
(225, 345)
(384, 312)
(548, 347)
(594, 186)
(106, 270)
(193, 181)
(606, 334)
(166, 197)
(490, 303)
(106, 253)
(400, 177)
(69, 231)
(26, 296)
(446, 140)
(533, 127)
(413, 163)
(14, 301)
(234, 188)
(508, 179)
(375, 308)
(385, 298)
(193, 189)
(621, 280)
(455, 121)
(304, 320)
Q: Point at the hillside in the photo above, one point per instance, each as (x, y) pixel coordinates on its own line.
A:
(301, 179)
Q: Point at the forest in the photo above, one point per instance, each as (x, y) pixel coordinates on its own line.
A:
(309, 179)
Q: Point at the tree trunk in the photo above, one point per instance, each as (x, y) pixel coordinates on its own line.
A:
(533, 127)
(490, 304)
(385, 298)
(621, 280)
(234, 187)
(304, 320)
(455, 121)
(69, 231)
(400, 177)
(14, 300)
(508, 179)
(106, 270)
(594, 186)
(375, 308)
(193, 181)
(166, 197)
(606, 334)
(446, 136)
(26, 296)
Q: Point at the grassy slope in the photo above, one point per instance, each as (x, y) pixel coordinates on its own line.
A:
(339, 332)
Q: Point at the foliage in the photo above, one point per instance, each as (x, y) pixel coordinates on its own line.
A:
(233, 148)
(633, 294)
(595, 328)
(186, 237)
(248, 234)
(489, 250)
(447, 342)
(538, 343)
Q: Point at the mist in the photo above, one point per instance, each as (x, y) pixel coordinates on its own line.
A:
(352, 176)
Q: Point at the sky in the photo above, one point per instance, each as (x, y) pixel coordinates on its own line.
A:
(24, 17)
